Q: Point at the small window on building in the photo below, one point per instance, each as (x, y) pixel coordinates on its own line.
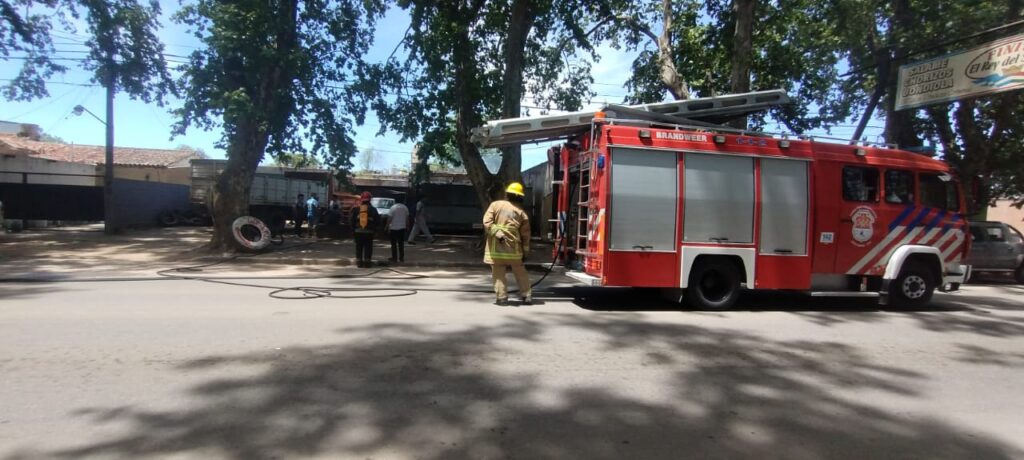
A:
(899, 187)
(939, 191)
(860, 184)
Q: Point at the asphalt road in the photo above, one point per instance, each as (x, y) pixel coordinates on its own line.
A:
(189, 369)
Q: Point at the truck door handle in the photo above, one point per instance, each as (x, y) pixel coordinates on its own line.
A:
(719, 239)
(643, 248)
(784, 251)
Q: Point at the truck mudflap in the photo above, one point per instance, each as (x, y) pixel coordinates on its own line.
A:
(956, 275)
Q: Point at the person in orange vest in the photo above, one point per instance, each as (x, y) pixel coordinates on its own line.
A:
(364, 222)
(507, 228)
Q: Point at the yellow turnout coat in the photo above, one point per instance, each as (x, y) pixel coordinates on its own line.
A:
(508, 233)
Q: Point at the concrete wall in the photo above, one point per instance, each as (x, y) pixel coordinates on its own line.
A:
(1004, 211)
(19, 168)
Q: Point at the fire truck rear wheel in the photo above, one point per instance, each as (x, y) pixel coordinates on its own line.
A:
(913, 287)
(714, 284)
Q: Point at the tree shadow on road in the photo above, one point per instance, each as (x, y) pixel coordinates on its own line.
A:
(405, 391)
(966, 313)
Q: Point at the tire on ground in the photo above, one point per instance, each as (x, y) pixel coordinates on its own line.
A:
(250, 233)
(168, 219)
(914, 286)
(1019, 274)
(714, 284)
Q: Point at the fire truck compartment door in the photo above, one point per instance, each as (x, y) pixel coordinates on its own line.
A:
(644, 200)
(782, 260)
(783, 207)
(719, 199)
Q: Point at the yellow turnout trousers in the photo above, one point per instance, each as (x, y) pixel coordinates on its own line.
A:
(498, 271)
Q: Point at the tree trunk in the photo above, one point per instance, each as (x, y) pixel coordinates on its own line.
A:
(231, 193)
(743, 49)
(669, 74)
(248, 140)
(466, 118)
(520, 24)
(899, 125)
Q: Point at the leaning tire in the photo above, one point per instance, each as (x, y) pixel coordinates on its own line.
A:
(913, 287)
(714, 285)
(168, 219)
(250, 233)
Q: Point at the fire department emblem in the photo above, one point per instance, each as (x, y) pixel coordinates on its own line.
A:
(863, 224)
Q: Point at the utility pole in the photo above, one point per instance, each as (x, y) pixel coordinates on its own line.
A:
(109, 225)
(109, 203)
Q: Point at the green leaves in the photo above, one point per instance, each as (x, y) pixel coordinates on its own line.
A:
(123, 49)
(278, 76)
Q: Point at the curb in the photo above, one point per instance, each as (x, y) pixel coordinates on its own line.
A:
(351, 262)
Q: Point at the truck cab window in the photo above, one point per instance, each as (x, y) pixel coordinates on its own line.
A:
(996, 234)
(899, 187)
(938, 191)
(860, 184)
(977, 234)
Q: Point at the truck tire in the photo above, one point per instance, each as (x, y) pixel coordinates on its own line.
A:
(168, 219)
(714, 284)
(913, 287)
(250, 233)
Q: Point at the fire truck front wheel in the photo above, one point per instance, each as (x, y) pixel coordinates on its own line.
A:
(914, 286)
(714, 284)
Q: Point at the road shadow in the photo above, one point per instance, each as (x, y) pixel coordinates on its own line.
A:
(960, 313)
(26, 291)
(405, 391)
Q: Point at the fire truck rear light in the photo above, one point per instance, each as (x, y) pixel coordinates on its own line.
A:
(860, 152)
(644, 134)
(598, 115)
(784, 144)
(719, 139)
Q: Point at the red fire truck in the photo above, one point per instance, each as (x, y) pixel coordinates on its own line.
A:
(666, 196)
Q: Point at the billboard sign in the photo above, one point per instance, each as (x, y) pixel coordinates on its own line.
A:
(991, 68)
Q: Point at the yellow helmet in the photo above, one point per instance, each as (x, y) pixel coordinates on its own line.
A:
(515, 188)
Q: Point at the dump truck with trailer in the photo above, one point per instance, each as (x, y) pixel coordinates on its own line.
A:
(273, 193)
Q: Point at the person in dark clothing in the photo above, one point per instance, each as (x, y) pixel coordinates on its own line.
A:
(365, 219)
(300, 213)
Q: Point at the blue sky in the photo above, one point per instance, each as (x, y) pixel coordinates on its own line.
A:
(146, 125)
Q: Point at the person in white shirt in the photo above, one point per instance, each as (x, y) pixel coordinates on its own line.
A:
(419, 223)
(397, 222)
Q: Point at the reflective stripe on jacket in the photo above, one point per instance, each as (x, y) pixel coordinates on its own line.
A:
(508, 233)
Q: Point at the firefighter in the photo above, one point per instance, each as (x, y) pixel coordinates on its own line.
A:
(364, 222)
(508, 242)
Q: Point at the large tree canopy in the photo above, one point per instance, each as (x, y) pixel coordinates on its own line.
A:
(694, 48)
(276, 77)
(122, 45)
(983, 136)
(473, 60)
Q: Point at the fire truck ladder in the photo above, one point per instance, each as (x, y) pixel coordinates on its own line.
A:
(583, 203)
(708, 112)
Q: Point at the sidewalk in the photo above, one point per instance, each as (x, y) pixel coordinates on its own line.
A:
(84, 251)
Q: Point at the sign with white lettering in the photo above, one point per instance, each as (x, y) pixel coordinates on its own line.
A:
(991, 68)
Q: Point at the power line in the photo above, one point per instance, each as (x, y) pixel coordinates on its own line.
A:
(43, 105)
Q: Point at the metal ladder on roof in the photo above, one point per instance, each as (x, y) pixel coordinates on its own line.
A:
(709, 111)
